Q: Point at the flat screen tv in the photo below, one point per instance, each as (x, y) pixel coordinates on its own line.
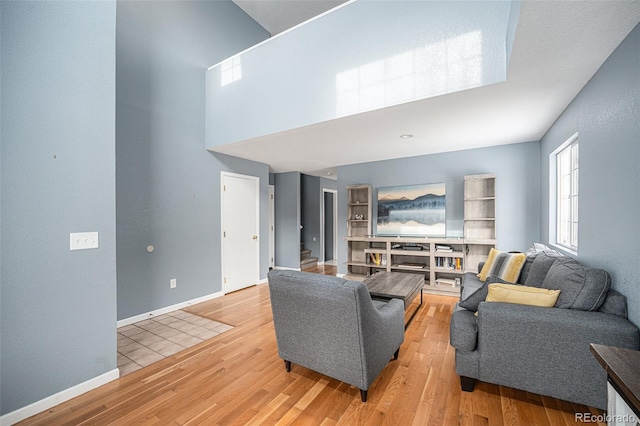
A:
(412, 210)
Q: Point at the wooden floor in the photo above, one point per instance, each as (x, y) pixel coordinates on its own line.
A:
(237, 378)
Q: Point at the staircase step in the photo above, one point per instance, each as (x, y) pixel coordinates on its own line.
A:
(309, 263)
(305, 254)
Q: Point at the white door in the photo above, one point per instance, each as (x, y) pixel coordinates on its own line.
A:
(240, 225)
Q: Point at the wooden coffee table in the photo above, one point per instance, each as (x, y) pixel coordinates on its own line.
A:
(396, 285)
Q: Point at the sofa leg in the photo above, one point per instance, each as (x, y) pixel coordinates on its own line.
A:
(395, 355)
(363, 395)
(467, 383)
(287, 365)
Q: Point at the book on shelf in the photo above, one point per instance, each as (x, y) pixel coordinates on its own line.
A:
(453, 282)
(378, 259)
(413, 265)
(449, 263)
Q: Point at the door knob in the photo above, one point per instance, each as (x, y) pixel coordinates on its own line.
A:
(255, 237)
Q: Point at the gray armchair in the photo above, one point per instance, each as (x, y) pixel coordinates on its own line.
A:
(331, 325)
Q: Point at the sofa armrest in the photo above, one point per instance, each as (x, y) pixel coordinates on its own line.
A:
(382, 335)
(543, 346)
(385, 326)
(393, 308)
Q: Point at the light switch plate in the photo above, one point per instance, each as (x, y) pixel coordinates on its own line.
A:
(83, 240)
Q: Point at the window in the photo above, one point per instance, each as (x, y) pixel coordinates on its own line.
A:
(230, 70)
(566, 159)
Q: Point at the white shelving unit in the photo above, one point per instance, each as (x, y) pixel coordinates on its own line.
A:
(442, 261)
(414, 255)
(479, 218)
(358, 227)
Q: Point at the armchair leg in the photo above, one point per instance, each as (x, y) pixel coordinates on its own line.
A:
(363, 395)
(287, 365)
(395, 355)
(467, 383)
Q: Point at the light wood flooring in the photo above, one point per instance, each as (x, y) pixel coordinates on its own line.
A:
(236, 378)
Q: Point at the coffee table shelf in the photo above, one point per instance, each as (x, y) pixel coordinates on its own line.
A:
(396, 285)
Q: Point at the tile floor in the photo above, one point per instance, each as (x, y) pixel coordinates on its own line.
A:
(151, 340)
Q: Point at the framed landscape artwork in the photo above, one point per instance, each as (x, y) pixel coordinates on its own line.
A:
(412, 210)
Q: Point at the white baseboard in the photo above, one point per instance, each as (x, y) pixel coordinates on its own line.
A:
(340, 275)
(263, 281)
(171, 308)
(58, 398)
(285, 268)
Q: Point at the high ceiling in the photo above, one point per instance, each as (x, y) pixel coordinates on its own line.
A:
(276, 16)
(558, 47)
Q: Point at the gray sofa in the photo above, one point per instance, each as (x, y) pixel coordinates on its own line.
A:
(542, 350)
(331, 325)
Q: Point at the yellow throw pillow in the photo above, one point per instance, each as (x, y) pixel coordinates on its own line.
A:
(488, 264)
(523, 295)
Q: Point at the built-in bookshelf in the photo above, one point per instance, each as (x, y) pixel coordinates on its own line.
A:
(358, 226)
(448, 267)
(479, 218)
(440, 260)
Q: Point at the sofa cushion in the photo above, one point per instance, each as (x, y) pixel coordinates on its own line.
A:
(463, 330)
(615, 304)
(507, 266)
(540, 267)
(522, 295)
(524, 273)
(470, 283)
(582, 288)
(472, 300)
(532, 253)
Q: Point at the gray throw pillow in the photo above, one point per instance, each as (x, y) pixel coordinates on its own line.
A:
(540, 267)
(580, 287)
(524, 272)
(473, 300)
(615, 303)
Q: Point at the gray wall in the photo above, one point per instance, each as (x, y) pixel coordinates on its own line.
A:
(58, 307)
(606, 114)
(168, 185)
(311, 198)
(287, 207)
(310, 210)
(326, 183)
(517, 170)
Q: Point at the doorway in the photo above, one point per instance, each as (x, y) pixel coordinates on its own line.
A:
(240, 230)
(330, 230)
(272, 227)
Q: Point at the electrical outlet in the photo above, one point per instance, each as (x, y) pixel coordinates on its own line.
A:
(83, 240)
(172, 283)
